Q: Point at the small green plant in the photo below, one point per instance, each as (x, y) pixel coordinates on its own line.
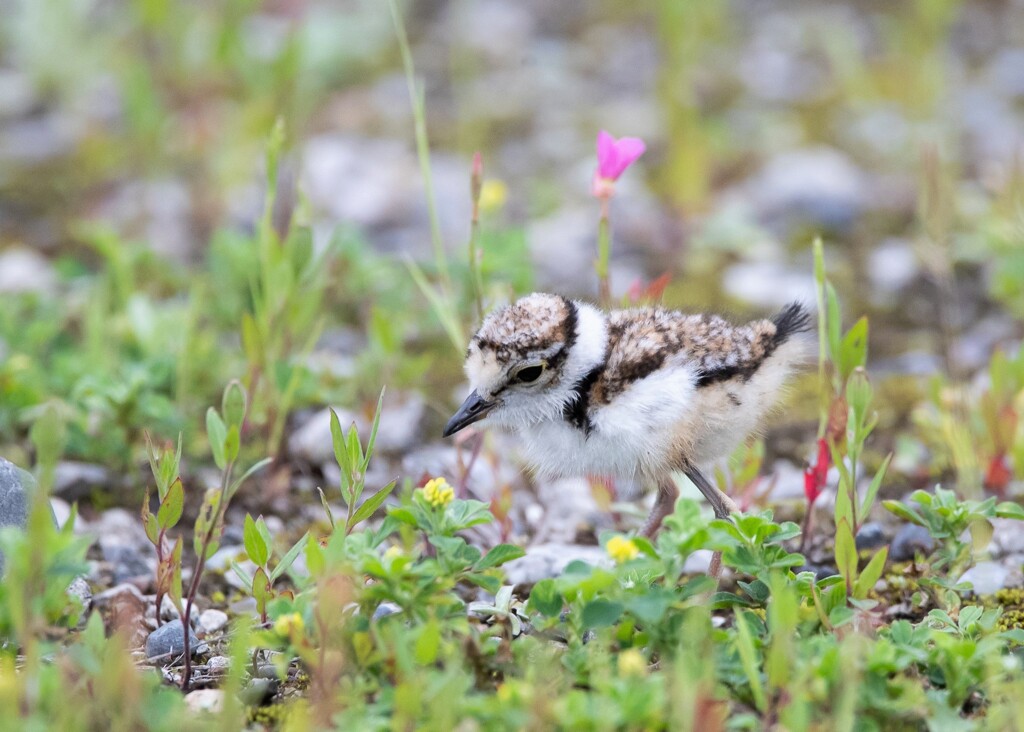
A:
(170, 493)
(846, 420)
(947, 517)
(259, 548)
(354, 459)
(288, 281)
(223, 430)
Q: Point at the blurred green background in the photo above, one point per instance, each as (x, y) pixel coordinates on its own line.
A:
(137, 241)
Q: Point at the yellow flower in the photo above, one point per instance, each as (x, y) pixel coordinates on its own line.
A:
(493, 195)
(622, 549)
(438, 493)
(392, 552)
(285, 625)
(632, 663)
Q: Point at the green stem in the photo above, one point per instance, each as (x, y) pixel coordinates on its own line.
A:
(819, 292)
(604, 253)
(422, 143)
(474, 262)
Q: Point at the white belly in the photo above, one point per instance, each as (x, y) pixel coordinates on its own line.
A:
(631, 438)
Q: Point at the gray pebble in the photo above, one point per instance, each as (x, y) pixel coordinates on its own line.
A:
(909, 541)
(259, 691)
(871, 536)
(13, 498)
(385, 609)
(212, 620)
(168, 640)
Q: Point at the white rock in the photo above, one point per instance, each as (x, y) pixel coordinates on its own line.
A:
(25, 270)
(986, 577)
(212, 620)
(768, 284)
(892, 265)
(1007, 537)
(550, 560)
(205, 700)
(567, 503)
(399, 430)
(788, 481)
(698, 563)
(218, 664)
(819, 185)
(61, 511)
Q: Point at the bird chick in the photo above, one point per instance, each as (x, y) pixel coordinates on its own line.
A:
(639, 393)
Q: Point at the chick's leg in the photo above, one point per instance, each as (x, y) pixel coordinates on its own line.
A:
(720, 503)
(664, 504)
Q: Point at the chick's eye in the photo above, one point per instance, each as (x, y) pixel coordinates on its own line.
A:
(528, 374)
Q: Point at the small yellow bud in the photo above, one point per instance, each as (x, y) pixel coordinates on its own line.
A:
(504, 693)
(493, 194)
(392, 552)
(285, 625)
(438, 493)
(622, 549)
(632, 663)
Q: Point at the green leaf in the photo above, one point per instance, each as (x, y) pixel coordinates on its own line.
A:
(149, 523)
(49, 436)
(546, 599)
(876, 483)
(904, 512)
(601, 613)
(261, 588)
(339, 445)
(846, 553)
(289, 558)
(853, 349)
(268, 540)
(371, 504)
(1011, 510)
(255, 547)
(232, 444)
(499, 555)
(175, 589)
(315, 560)
(844, 505)
(241, 574)
(355, 449)
(651, 606)
(246, 475)
(981, 534)
(216, 434)
(172, 505)
(428, 644)
(372, 441)
(233, 404)
(403, 514)
(327, 508)
(748, 658)
(835, 321)
(1015, 634)
(871, 573)
(251, 339)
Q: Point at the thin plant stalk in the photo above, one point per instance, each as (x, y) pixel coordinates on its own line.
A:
(416, 100)
(604, 253)
(476, 186)
(197, 572)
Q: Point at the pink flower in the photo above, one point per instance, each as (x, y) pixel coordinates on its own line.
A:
(613, 158)
(816, 476)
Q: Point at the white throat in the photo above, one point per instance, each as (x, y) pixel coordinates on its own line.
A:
(590, 348)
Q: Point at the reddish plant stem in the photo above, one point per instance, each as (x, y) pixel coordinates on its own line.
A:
(197, 573)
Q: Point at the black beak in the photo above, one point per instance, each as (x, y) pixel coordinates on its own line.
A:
(472, 410)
